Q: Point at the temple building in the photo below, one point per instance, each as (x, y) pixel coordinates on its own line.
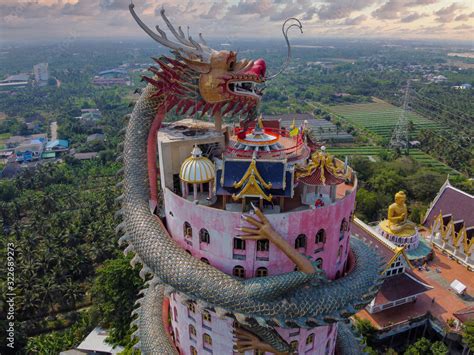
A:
(450, 221)
(400, 285)
(210, 175)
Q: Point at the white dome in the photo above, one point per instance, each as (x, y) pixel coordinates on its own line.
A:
(197, 169)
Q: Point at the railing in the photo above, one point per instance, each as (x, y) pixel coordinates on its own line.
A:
(288, 153)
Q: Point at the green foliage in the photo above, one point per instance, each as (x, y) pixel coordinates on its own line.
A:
(425, 347)
(365, 328)
(55, 342)
(114, 287)
(468, 334)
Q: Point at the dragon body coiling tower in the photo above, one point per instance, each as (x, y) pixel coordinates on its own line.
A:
(251, 251)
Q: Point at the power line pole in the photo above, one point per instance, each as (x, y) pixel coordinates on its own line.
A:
(400, 137)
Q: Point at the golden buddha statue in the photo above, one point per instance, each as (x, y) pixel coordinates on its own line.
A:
(397, 222)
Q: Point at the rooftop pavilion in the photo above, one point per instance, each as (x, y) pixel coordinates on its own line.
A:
(262, 164)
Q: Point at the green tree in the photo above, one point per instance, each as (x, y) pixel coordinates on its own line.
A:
(439, 348)
(367, 204)
(365, 328)
(421, 347)
(468, 334)
(113, 293)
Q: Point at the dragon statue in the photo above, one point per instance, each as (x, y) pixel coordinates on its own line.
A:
(198, 79)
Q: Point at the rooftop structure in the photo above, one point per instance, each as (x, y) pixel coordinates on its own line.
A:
(41, 73)
(450, 221)
(112, 77)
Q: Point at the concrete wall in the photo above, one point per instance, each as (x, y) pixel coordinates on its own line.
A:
(221, 226)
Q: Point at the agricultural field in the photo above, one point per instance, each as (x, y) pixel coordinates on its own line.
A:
(373, 152)
(380, 117)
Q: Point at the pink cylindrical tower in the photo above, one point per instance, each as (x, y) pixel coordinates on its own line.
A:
(308, 198)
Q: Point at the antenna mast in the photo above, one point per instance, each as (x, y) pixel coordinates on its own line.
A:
(400, 137)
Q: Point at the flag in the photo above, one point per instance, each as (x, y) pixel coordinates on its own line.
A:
(294, 132)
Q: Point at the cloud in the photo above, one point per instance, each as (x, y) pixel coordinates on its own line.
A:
(342, 8)
(114, 4)
(448, 14)
(412, 17)
(463, 27)
(464, 17)
(355, 21)
(252, 7)
(81, 8)
(394, 9)
(215, 10)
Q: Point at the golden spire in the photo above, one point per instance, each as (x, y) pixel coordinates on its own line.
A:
(260, 122)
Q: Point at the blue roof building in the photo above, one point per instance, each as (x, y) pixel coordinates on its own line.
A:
(57, 144)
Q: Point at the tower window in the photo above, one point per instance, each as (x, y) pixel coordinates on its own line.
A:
(192, 331)
(310, 339)
(206, 317)
(239, 244)
(187, 230)
(320, 236)
(193, 350)
(300, 241)
(238, 271)
(204, 236)
(261, 272)
(294, 346)
(191, 307)
(205, 261)
(263, 245)
(206, 339)
(319, 263)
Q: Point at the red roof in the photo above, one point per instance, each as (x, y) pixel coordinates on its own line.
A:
(316, 179)
(397, 287)
(451, 200)
(465, 314)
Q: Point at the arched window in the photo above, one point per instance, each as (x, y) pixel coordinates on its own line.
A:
(192, 331)
(207, 340)
(328, 347)
(343, 228)
(319, 263)
(191, 307)
(204, 236)
(339, 254)
(187, 230)
(238, 271)
(320, 236)
(310, 339)
(239, 244)
(206, 317)
(263, 245)
(300, 241)
(205, 261)
(258, 352)
(193, 350)
(175, 311)
(176, 335)
(294, 346)
(261, 272)
(189, 252)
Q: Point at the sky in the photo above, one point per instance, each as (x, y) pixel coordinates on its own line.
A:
(36, 20)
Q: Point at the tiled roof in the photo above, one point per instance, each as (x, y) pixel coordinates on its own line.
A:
(399, 286)
(465, 314)
(451, 200)
(316, 179)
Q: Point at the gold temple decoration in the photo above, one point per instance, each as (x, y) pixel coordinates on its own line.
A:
(322, 161)
(251, 182)
(448, 233)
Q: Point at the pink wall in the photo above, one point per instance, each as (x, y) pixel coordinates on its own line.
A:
(221, 333)
(222, 225)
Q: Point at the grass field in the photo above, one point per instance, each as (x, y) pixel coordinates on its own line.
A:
(418, 155)
(380, 117)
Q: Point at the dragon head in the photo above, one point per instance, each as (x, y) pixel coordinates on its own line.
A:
(201, 79)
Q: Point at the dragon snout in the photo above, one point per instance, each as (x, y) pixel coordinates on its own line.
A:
(258, 68)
